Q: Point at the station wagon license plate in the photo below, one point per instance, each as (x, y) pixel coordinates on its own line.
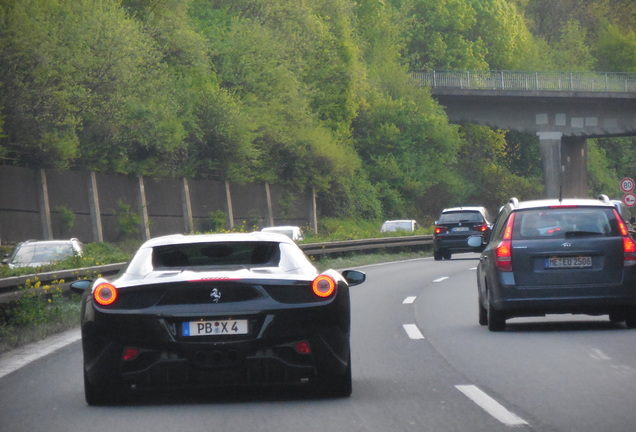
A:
(568, 262)
(215, 328)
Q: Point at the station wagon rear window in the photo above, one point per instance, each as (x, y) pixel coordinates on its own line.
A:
(565, 222)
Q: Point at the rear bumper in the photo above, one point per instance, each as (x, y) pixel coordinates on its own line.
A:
(455, 244)
(590, 300)
(167, 359)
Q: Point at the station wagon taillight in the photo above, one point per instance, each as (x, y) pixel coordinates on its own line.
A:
(503, 252)
(629, 246)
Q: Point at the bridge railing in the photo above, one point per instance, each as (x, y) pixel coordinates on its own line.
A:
(529, 81)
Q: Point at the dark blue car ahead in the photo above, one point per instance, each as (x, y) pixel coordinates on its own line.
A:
(557, 256)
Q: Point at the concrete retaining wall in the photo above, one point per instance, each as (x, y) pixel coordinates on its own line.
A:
(34, 204)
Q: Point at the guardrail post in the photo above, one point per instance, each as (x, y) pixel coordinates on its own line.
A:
(143, 209)
(96, 214)
(313, 216)
(45, 207)
(228, 200)
(188, 222)
(270, 211)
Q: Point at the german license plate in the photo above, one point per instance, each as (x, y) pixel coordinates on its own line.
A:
(460, 229)
(215, 328)
(568, 262)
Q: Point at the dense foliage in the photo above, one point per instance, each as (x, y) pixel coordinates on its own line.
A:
(313, 93)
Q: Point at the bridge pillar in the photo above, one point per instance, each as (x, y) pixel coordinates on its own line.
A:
(574, 167)
(564, 161)
(550, 147)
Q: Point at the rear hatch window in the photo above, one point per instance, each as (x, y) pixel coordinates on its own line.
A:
(227, 254)
(582, 244)
(462, 217)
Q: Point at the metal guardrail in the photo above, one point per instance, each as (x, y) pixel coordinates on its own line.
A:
(622, 82)
(10, 287)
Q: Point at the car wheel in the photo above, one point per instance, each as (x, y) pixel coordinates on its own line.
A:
(447, 255)
(630, 319)
(617, 317)
(101, 394)
(339, 386)
(496, 320)
(437, 255)
(483, 314)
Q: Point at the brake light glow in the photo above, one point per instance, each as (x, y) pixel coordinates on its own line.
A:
(105, 294)
(130, 354)
(629, 246)
(503, 252)
(323, 286)
(440, 229)
(302, 347)
(481, 228)
(508, 231)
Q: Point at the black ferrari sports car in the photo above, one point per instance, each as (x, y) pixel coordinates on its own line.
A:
(214, 310)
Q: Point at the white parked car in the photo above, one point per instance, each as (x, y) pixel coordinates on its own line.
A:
(293, 232)
(409, 225)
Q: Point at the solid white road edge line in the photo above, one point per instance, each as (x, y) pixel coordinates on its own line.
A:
(491, 406)
(14, 360)
(409, 300)
(412, 331)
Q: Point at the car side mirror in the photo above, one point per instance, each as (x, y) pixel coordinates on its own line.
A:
(354, 277)
(80, 286)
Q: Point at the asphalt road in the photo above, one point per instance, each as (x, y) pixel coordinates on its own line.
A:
(420, 360)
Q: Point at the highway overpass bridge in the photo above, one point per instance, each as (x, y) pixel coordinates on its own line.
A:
(563, 109)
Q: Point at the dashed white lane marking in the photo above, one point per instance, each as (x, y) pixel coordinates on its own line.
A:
(441, 279)
(597, 354)
(412, 331)
(18, 358)
(409, 300)
(491, 406)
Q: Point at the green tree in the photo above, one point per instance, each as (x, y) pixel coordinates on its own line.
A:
(441, 35)
(572, 50)
(616, 49)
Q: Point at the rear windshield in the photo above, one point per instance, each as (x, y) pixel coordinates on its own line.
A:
(460, 216)
(565, 222)
(394, 226)
(217, 254)
(43, 252)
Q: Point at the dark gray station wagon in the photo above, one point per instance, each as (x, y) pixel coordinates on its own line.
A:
(557, 256)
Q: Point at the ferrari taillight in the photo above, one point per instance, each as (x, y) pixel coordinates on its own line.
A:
(105, 294)
(323, 286)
